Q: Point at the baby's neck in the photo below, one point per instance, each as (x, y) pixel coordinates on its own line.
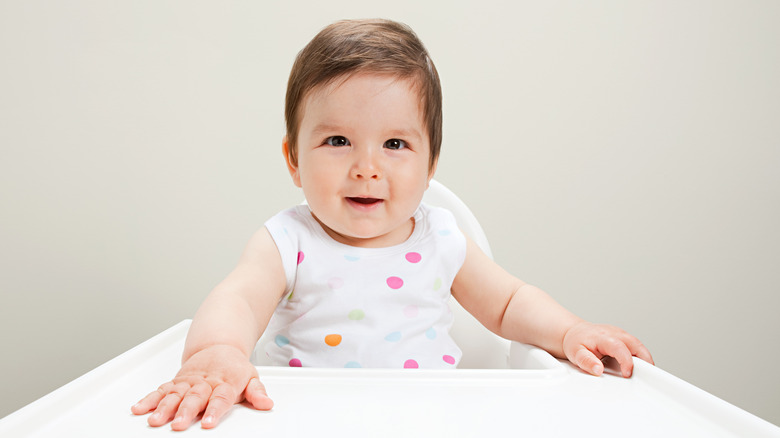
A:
(394, 237)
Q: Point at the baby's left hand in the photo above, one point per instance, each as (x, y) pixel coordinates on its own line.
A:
(585, 344)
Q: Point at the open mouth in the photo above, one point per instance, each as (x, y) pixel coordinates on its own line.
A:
(365, 201)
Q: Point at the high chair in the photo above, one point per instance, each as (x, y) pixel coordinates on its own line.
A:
(538, 396)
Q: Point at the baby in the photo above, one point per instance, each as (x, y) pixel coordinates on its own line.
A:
(361, 275)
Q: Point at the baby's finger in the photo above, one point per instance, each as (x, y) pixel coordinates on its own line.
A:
(588, 362)
(256, 395)
(643, 353)
(637, 349)
(618, 349)
(152, 400)
(194, 403)
(169, 405)
(222, 399)
(149, 402)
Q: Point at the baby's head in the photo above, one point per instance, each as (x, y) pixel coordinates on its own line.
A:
(349, 47)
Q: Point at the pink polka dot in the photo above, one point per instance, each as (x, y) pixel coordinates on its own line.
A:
(413, 257)
(295, 363)
(411, 311)
(449, 359)
(300, 257)
(395, 282)
(411, 363)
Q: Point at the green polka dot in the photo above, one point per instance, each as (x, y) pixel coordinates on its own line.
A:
(356, 315)
(437, 284)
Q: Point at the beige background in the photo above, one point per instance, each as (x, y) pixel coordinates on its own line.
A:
(621, 155)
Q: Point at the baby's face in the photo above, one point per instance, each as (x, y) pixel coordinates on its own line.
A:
(363, 155)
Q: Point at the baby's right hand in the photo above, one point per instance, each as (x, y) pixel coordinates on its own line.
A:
(210, 381)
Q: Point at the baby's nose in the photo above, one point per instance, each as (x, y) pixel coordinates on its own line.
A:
(366, 166)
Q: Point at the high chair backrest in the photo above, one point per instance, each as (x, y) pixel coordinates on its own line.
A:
(481, 347)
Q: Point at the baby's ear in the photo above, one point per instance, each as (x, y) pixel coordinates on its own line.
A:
(431, 172)
(292, 165)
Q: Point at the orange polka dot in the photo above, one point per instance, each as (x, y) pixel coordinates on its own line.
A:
(333, 340)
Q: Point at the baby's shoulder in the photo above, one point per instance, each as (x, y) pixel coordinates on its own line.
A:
(293, 217)
(438, 219)
(439, 227)
(291, 226)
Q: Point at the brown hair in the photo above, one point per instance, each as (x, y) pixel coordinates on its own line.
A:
(375, 46)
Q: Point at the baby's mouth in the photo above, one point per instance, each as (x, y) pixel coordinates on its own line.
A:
(365, 201)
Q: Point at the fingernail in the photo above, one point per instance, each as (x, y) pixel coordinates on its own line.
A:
(209, 419)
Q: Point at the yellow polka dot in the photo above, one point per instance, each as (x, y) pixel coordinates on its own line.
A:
(333, 340)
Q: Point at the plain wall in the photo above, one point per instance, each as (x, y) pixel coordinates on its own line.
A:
(621, 155)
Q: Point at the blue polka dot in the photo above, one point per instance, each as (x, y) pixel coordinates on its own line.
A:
(444, 232)
(352, 364)
(281, 341)
(393, 337)
(351, 258)
(430, 333)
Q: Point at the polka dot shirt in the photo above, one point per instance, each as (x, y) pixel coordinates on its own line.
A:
(365, 307)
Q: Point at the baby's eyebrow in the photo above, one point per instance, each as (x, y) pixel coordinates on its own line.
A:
(324, 127)
(405, 133)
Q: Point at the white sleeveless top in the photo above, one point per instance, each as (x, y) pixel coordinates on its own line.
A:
(365, 307)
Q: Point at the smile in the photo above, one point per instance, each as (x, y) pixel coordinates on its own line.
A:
(364, 203)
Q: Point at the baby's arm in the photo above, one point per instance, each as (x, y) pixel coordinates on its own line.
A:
(216, 372)
(524, 313)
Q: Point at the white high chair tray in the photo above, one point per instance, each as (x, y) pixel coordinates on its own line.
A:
(550, 399)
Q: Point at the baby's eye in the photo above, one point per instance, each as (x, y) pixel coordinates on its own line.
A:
(337, 140)
(395, 144)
